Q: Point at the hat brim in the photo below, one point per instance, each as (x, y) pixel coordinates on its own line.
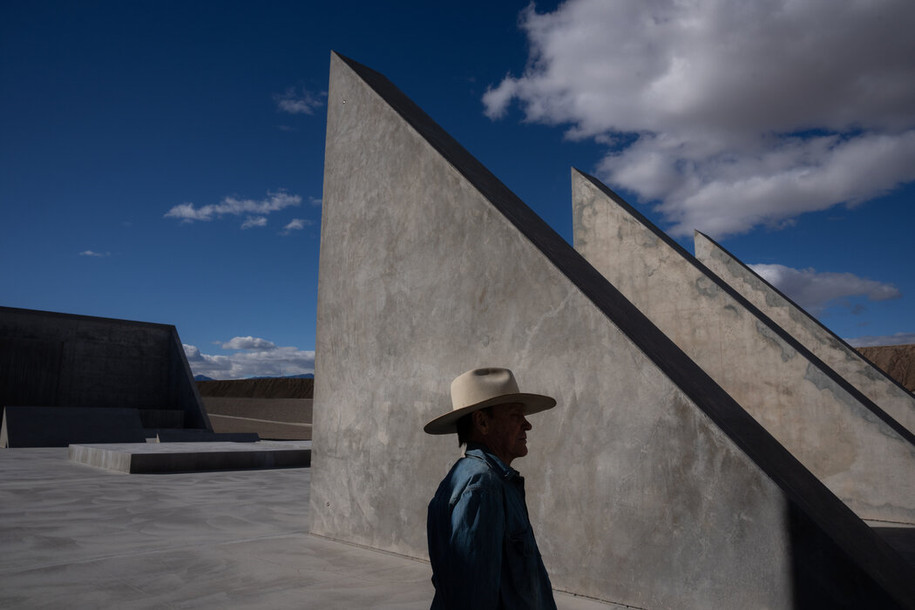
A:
(447, 423)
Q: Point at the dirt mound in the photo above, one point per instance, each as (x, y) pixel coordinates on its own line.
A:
(897, 361)
(280, 387)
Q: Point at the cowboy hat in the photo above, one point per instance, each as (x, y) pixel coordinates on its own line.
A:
(481, 388)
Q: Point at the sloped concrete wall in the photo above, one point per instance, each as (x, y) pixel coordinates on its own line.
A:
(861, 454)
(885, 392)
(51, 359)
(647, 485)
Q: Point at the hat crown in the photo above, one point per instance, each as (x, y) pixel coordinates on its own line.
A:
(480, 385)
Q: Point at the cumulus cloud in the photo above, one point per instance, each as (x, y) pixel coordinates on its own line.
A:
(816, 291)
(292, 101)
(728, 115)
(875, 341)
(256, 358)
(232, 206)
(250, 343)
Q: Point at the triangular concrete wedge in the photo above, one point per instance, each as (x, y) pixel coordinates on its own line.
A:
(883, 390)
(840, 435)
(647, 484)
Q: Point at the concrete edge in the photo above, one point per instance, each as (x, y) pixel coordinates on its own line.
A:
(161, 458)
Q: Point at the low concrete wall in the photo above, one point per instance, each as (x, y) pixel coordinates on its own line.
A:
(270, 418)
(862, 455)
(60, 426)
(879, 387)
(647, 485)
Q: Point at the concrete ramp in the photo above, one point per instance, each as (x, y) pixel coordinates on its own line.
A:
(862, 454)
(879, 387)
(648, 485)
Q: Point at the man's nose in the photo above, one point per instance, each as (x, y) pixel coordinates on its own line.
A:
(527, 425)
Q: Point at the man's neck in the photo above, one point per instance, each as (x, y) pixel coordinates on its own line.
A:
(482, 445)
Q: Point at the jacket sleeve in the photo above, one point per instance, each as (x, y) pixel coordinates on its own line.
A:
(475, 549)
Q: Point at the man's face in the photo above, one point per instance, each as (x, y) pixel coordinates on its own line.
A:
(505, 431)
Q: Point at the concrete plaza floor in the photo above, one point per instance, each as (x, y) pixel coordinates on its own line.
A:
(73, 536)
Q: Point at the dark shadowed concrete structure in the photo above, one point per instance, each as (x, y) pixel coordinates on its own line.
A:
(81, 362)
(648, 485)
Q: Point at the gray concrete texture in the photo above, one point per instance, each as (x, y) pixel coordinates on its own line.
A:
(647, 485)
(60, 360)
(879, 387)
(81, 537)
(835, 431)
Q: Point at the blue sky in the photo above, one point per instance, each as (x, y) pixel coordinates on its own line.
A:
(162, 161)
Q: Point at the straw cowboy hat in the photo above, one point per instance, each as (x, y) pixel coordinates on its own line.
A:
(481, 388)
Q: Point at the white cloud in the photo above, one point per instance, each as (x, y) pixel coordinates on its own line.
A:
(252, 362)
(92, 253)
(293, 102)
(296, 224)
(873, 341)
(232, 206)
(815, 291)
(729, 115)
(254, 221)
(249, 343)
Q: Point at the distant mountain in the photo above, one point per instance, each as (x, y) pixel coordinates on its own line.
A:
(302, 376)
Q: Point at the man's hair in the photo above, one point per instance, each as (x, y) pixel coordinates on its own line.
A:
(465, 426)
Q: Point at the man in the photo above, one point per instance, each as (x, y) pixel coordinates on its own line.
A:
(481, 543)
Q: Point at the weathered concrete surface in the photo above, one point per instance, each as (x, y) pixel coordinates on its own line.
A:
(60, 360)
(150, 458)
(879, 387)
(863, 456)
(80, 537)
(60, 426)
(647, 485)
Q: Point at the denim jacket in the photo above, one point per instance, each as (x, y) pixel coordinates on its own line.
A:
(481, 543)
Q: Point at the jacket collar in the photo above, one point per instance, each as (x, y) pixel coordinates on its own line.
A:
(481, 452)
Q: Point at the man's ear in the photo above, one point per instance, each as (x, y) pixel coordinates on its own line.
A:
(480, 421)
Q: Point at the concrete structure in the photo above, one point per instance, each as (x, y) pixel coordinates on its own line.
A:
(864, 456)
(60, 360)
(80, 537)
(648, 485)
(150, 458)
(879, 387)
